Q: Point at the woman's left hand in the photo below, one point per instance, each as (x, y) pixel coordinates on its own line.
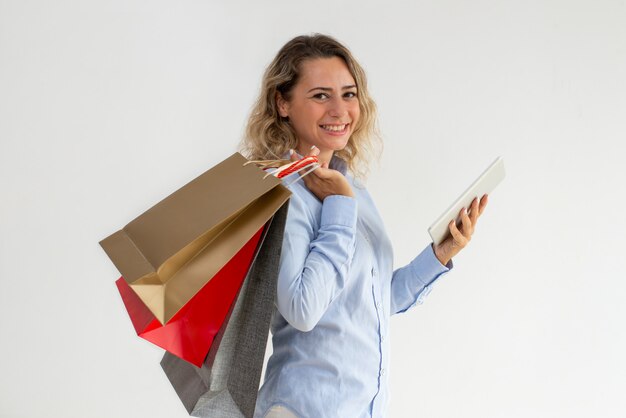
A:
(459, 238)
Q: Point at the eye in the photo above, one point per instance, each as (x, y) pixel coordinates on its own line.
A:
(350, 94)
(321, 96)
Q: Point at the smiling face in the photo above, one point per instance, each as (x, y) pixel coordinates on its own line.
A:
(323, 107)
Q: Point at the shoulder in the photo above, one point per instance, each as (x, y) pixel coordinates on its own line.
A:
(300, 193)
(360, 189)
(303, 205)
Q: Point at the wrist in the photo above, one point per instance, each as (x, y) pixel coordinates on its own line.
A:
(442, 259)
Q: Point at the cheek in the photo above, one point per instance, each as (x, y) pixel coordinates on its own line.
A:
(313, 113)
(356, 112)
(300, 115)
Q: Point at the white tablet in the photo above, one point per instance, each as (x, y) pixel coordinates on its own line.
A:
(484, 184)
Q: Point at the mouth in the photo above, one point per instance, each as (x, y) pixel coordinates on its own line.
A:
(336, 129)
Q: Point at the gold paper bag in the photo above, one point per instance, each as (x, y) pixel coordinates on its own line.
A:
(174, 248)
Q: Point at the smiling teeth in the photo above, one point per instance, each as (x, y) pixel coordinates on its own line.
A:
(334, 128)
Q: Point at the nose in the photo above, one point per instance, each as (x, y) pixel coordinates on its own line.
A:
(337, 108)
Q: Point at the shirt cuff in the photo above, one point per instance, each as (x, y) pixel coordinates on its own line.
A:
(339, 210)
(427, 266)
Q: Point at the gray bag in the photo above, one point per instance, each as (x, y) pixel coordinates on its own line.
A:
(226, 385)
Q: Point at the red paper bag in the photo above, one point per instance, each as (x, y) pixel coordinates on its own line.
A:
(190, 333)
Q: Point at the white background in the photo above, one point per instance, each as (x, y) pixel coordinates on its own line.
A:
(106, 107)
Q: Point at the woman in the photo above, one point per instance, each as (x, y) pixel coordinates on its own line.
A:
(336, 287)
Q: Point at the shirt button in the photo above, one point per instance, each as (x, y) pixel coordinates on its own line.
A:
(379, 305)
(382, 372)
(382, 338)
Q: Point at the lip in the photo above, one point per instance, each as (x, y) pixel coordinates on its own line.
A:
(338, 133)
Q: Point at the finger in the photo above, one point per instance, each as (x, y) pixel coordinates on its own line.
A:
(322, 171)
(467, 224)
(483, 204)
(473, 214)
(311, 181)
(293, 156)
(314, 151)
(458, 239)
(322, 166)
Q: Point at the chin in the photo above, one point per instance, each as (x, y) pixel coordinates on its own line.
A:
(338, 144)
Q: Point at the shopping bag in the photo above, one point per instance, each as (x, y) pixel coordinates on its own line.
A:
(190, 333)
(163, 253)
(226, 385)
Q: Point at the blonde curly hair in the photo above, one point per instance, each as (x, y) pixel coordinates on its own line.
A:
(269, 136)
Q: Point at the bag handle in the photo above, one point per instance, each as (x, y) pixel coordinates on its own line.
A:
(284, 168)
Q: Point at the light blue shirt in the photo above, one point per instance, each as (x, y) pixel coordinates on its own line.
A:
(336, 292)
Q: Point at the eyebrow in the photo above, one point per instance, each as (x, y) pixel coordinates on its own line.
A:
(330, 89)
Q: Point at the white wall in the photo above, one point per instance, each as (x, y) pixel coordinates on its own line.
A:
(106, 107)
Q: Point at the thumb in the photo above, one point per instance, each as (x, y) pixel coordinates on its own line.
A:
(293, 156)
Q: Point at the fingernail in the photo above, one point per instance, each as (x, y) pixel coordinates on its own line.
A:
(290, 152)
(313, 147)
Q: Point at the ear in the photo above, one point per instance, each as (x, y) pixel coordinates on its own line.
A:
(282, 105)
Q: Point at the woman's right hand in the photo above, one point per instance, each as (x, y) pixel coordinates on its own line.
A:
(324, 181)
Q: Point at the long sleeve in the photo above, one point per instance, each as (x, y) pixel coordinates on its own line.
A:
(315, 260)
(336, 292)
(413, 282)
